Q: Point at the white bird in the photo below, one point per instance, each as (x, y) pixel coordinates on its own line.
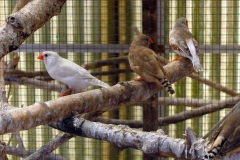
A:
(69, 73)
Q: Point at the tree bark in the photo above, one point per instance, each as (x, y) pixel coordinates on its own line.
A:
(21, 24)
(90, 101)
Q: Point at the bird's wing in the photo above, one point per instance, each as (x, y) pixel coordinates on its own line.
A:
(160, 64)
(146, 61)
(191, 47)
(232, 131)
(196, 45)
(68, 68)
(178, 44)
(232, 142)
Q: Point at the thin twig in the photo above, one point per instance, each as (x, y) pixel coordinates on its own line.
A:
(208, 108)
(20, 142)
(210, 83)
(109, 61)
(185, 101)
(34, 83)
(228, 103)
(28, 74)
(18, 152)
(50, 146)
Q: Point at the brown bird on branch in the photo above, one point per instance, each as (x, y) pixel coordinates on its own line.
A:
(226, 139)
(145, 62)
(182, 42)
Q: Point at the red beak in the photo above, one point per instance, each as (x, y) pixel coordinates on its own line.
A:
(151, 41)
(40, 56)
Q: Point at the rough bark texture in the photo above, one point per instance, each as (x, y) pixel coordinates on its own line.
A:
(94, 100)
(20, 25)
(153, 143)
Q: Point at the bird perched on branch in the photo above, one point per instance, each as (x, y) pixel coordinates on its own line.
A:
(182, 42)
(69, 73)
(226, 139)
(146, 63)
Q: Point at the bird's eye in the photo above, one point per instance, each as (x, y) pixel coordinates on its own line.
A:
(45, 55)
(147, 39)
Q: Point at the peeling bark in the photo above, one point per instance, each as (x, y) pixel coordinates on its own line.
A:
(20, 25)
(155, 143)
(90, 101)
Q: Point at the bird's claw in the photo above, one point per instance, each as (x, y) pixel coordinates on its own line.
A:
(65, 93)
(138, 79)
(176, 59)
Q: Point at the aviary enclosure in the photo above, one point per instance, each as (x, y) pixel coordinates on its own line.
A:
(96, 34)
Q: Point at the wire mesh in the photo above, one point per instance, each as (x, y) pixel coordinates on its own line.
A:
(89, 30)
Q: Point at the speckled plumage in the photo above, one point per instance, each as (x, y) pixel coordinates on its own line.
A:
(182, 42)
(146, 63)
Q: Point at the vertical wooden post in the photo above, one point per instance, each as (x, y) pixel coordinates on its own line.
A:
(150, 109)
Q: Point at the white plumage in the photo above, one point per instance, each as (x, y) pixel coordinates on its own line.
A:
(69, 72)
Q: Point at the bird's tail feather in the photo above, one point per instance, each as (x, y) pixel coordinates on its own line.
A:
(197, 65)
(97, 82)
(166, 84)
(212, 153)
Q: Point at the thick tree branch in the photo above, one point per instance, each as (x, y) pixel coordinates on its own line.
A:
(106, 99)
(20, 25)
(155, 143)
(194, 76)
